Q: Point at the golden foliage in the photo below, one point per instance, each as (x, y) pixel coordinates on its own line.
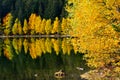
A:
(48, 26)
(32, 23)
(7, 49)
(43, 23)
(48, 45)
(17, 44)
(17, 27)
(97, 27)
(66, 46)
(35, 25)
(56, 45)
(55, 26)
(25, 44)
(42, 45)
(32, 50)
(7, 52)
(38, 47)
(7, 23)
(94, 28)
(38, 25)
(25, 27)
(64, 26)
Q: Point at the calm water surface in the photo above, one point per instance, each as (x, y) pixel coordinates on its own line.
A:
(39, 59)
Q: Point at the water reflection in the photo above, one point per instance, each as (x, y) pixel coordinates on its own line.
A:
(39, 59)
(37, 47)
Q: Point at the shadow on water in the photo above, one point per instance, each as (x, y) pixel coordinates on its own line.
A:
(23, 67)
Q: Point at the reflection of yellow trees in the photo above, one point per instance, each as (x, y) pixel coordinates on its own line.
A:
(56, 45)
(7, 52)
(17, 44)
(48, 45)
(37, 47)
(75, 45)
(8, 49)
(66, 46)
(25, 44)
(42, 44)
(32, 49)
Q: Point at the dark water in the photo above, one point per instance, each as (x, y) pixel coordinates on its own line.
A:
(17, 64)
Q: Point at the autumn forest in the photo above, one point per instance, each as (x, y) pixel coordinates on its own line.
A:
(93, 27)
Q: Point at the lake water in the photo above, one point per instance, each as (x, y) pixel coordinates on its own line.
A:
(40, 59)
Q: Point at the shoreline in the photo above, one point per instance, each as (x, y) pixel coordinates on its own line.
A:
(35, 36)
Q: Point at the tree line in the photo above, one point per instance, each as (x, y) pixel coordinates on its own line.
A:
(34, 25)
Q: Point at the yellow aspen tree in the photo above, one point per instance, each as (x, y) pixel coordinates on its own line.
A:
(7, 23)
(64, 26)
(25, 27)
(38, 25)
(48, 26)
(55, 26)
(15, 27)
(31, 23)
(43, 23)
(19, 28)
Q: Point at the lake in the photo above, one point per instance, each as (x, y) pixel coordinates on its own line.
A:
(40, 59)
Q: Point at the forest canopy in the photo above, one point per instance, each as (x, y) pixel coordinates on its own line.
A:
(23, 8)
